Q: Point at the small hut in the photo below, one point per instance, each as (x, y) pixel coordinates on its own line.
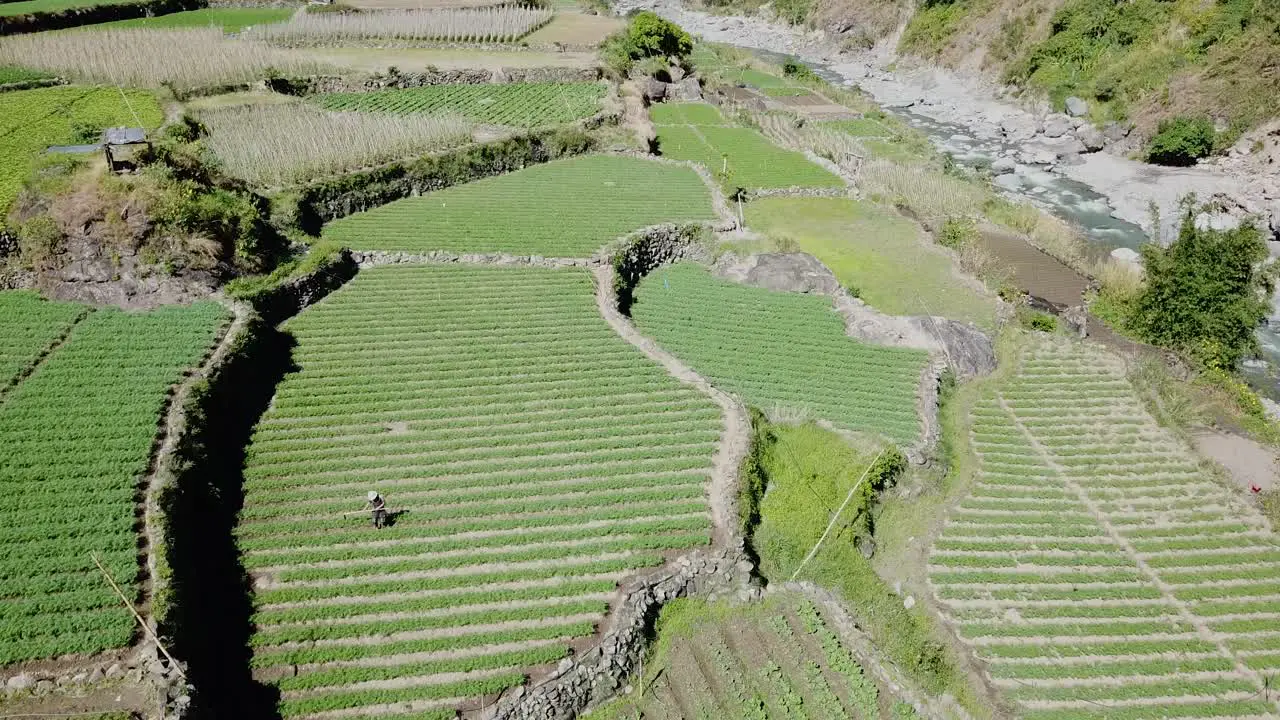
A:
(121, 146)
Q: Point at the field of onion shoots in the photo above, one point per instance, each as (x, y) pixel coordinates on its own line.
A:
(478, 25)
(77, 434)
(780, 350)
(1095, 568)
(530, 457)
(567, 208)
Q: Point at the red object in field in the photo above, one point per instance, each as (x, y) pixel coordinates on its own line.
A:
(1255, 488)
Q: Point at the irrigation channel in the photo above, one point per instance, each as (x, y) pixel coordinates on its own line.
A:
(1071, 200)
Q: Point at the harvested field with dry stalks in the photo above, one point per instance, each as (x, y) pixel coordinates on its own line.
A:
(183, 58)
(284, 144)
(478, 25)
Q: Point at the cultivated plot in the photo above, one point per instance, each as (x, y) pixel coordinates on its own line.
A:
(32, 326)
(777, 659)
(229, 19)
(1095, 568)
(568, 208)
(530, 457)
(780, 349)
(514, 104)
(474, 25)
(741, 157)
(77, 436)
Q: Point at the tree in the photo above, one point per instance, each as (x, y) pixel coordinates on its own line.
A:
(1206, 293)
(650, 35)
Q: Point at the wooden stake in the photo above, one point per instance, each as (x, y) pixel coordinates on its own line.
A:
(145, 627)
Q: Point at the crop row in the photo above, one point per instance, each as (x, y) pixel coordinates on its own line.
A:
(780, 349)
(504, 24)
(32, 324)
(508, 535)
(568, 208)
(77, 435)
(515, 104)
(1078, 521)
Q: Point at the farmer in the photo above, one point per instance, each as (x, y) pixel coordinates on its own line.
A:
(379, 508)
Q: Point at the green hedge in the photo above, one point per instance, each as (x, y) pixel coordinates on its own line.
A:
(92, 15)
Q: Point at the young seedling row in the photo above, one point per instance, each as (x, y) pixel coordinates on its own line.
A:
(568, 208)
(77, 435)
(513, 104)
(529, 458)
(779, 349)
(1095, 568)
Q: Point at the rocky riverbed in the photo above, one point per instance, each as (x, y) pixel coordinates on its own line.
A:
(1023, 141)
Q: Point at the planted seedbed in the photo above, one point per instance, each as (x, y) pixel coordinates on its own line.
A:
(1094, 567)
(779, 349)
(514, 104)
(568, 208)
(531, 459)
(77, 435)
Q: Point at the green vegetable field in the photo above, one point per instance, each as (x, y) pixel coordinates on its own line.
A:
(531, 459)
(517, 104)
(568, 208)
(777, 659)
(32, 120)
(230, 19)
(77, 436)
(32, 324)
(34, 6)
(1094, 568)
(780, 349)
(697, 132)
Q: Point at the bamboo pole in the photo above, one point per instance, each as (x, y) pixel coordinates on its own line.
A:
(145, 627)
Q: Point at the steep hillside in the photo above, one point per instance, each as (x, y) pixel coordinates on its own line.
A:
(1140, 61)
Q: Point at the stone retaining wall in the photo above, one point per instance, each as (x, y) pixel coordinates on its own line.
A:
(602, 672)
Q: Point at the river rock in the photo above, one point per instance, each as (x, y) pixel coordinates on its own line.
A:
(1218, 221)
(1003, 166)
(1274, 219)
(1127, 256)
(1077, 107)
(1092, 138)
(1114, 131)
(1055, 126)
(21, 681)
(1032, 155)
(1008, 181)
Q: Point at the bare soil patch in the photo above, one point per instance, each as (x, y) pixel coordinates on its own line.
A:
(572, 29)
(1247, 462)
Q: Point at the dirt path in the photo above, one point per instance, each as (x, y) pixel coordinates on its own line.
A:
(735, 439)
(1247, 462)
(1202, 629)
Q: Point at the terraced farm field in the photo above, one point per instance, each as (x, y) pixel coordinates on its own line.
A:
(567, 208)
(776, 659)
(32, 325)
(1095, 568)
(77, 436)
(697, 132)
(514, 104)
(779, 349)
(531, 459)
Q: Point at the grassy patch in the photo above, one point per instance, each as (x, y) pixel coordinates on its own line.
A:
(569, 208)
(810, 471)
(10, 74)
(38, 6)
(878, 255)
(231, 20)
(861, 127)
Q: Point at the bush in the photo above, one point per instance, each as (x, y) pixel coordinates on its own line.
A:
(1181, 141)
(1205, 294)
(798, 70)
(646, 35)
(1036, 320)
(958, 233)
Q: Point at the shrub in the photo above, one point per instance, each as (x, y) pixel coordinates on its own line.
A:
(1181, 141)
(1038, 321)
(1206, 293)
(798, 70)
(958, 233)
(646, 35)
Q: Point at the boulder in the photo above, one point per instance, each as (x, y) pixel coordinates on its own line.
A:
(1127, 256)
(676, 72)
(1092, 138)
(1077, 107)
(686, 89)
(1003, 166)
(654, 90)
(1056, 126)
(1114, 131)
(21, 681)
(1219, 221)
(790, 272)
(1273, 220)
